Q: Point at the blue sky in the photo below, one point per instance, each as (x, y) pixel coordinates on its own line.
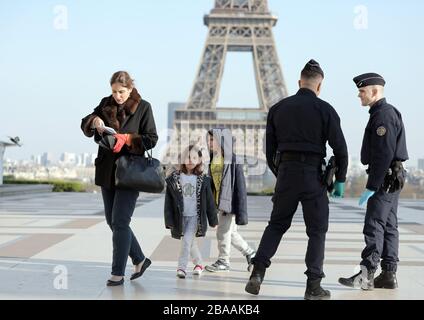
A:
(51, 78)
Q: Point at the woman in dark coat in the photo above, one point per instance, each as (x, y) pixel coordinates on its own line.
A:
(132, 118)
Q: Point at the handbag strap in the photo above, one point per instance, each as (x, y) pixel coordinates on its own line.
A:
(150, 156)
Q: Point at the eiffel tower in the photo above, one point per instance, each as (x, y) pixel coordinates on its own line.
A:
(234, 26)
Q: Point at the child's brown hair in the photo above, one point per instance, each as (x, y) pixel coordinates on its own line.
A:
(198, 170)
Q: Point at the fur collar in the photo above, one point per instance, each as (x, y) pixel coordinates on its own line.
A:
(115, 114)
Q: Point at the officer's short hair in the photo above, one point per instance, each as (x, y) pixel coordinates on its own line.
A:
(308, 74)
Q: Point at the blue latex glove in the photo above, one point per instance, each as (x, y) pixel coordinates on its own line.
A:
(365, 196)
(339, 190)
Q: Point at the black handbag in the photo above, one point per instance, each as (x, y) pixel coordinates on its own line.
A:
(140, 173)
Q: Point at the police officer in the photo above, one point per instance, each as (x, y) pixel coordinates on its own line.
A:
(383, 150)
(298, 128)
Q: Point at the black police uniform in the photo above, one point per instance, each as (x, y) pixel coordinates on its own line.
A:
(299, 127)
(384, 142)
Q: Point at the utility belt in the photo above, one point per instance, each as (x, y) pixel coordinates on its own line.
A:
(306, 158)
(328, 171)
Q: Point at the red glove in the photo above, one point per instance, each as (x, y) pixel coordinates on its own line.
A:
(121, 140)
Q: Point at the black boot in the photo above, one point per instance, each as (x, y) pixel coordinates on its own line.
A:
(314, 291)
(386, 280)
(255, 280)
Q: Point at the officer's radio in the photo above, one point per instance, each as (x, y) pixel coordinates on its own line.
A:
(395, 178)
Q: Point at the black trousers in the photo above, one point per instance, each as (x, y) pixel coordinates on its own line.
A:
(119, 208)
(297, 182)
(381, 232)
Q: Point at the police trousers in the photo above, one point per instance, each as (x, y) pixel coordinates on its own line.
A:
(297, 182)
(381, 232)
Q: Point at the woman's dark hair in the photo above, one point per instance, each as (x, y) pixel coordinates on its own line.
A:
(123, 78)
(198, 170)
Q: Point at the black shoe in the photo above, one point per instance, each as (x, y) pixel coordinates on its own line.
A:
(314, 291)
(255, 281)
(386, 280)
(352, 282)
(145, 265)
(111, 283)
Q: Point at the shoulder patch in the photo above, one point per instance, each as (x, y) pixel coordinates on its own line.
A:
(381, 131)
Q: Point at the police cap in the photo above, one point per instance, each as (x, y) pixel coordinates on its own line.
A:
(311, 68)
(369, 79)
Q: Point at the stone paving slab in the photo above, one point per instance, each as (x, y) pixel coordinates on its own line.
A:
(58, 246)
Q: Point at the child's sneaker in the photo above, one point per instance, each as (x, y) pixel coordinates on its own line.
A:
(218, 266)
(181, 274)
(198, 269)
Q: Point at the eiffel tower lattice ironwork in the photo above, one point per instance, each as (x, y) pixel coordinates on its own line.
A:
(234, 26)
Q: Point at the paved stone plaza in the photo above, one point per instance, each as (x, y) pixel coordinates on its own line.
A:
(58, 246)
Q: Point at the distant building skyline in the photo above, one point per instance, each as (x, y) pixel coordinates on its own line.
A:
(47, 159)
(87, 159)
